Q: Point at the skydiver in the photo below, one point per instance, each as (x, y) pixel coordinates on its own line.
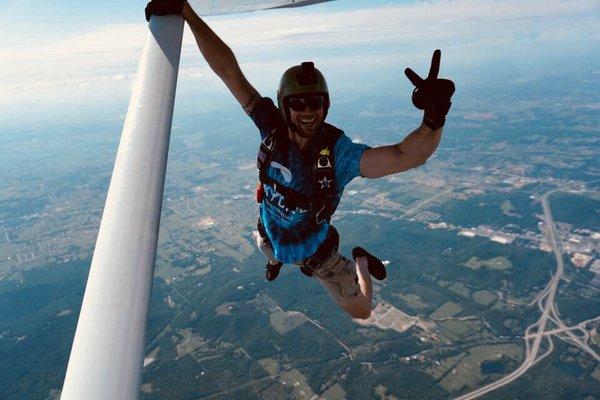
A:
(304, 163)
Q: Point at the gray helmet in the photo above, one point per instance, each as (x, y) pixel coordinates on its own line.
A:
(301, 79)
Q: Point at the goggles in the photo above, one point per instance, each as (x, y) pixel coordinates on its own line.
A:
(299, 103)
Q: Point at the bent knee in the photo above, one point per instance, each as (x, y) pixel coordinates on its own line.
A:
(363, 314)
(359, 312)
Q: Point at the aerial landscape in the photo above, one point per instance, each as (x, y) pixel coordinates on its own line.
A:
(492, 247)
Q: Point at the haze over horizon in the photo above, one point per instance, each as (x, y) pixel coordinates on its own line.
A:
(56, 64)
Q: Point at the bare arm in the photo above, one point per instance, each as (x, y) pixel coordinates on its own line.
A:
(431, 95)
(412, 152)
(221, 60)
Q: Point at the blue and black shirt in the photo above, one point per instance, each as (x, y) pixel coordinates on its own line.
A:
(294, 233)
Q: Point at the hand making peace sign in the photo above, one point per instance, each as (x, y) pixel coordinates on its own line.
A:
(432, 94)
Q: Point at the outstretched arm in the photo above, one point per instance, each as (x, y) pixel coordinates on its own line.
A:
(431, 95)
(412, 152)
(221, 60)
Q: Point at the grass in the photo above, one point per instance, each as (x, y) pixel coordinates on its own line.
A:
(484, 297)
(438, 371)
(270, 365)
(460, 289)
(446, 310)
(335, 392)
(468, 371)
(596, 373)
(496, 263)
(284, 322)
(458, 328)
(412, 300)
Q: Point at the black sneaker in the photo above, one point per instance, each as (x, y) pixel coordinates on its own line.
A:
(376, 267)
(272, 271)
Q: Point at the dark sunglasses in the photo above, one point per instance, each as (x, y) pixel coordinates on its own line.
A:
(314, 102)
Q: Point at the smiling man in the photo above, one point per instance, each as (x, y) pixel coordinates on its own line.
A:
(304, 163)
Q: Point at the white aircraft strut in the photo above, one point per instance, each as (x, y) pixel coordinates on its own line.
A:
(108, 349)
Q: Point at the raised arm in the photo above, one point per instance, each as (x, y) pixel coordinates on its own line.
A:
(221, 60)
(412, 152)
(431, 95)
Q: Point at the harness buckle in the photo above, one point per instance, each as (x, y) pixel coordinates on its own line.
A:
(318, 217)
(310, 265)
(268, 142)
(324, 163)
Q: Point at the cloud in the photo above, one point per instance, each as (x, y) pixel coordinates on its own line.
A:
(396, 23)
(106, 54)
(479, 116)
(113, 39)
(364, 39)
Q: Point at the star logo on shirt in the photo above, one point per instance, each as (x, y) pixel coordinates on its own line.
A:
(325, 182)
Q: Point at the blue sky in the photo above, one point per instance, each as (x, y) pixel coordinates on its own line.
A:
(73, 55)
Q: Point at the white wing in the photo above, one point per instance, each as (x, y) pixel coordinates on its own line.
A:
(217, 7)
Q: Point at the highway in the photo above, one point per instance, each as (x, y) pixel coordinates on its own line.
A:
(540, 330)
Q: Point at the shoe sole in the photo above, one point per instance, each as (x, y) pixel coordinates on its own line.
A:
(376, 267)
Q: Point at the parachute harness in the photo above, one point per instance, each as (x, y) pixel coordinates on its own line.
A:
(323, 202)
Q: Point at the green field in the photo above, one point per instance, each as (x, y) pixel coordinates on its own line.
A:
(468, 371)
(484, 297)
(447, 310)
(496, 263)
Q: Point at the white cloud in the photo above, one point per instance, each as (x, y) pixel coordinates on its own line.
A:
(396, 23)
(479, 116)
(467, 30)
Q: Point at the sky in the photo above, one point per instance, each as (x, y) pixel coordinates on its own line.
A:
(64, 59)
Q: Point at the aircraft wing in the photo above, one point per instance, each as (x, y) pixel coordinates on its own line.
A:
(219, 7)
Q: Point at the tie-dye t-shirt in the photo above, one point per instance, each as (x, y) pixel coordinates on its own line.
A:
(294, 234)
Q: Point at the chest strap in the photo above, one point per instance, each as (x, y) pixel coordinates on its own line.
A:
(266, 151)
(323, 202)
(324, 183)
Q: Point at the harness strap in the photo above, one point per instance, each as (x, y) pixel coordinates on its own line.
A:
(323, 203)
(266, 150)
(324, 182)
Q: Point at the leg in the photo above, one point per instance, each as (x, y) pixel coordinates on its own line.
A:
(364, 279)
(360, 305)
(273, 265)
(348, 283)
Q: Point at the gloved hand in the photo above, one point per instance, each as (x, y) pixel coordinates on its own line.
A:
(164, 7)
(432, 94)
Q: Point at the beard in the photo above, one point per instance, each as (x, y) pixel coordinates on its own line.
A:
(307, 129)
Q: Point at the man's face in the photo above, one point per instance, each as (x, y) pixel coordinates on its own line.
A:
(307, 113)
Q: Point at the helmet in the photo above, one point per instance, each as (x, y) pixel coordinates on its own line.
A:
(301, 79)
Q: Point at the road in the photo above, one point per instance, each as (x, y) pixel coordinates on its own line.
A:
(424, 202)
(315, 323)
(540, 330)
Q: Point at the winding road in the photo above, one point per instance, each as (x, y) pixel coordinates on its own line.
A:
(540, 330)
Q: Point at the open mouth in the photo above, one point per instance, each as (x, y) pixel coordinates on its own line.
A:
(308, 121)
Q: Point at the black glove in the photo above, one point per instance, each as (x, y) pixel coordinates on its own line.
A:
(164, 7)
(432, 94)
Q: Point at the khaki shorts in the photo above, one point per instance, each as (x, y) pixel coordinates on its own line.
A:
(337, 274)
